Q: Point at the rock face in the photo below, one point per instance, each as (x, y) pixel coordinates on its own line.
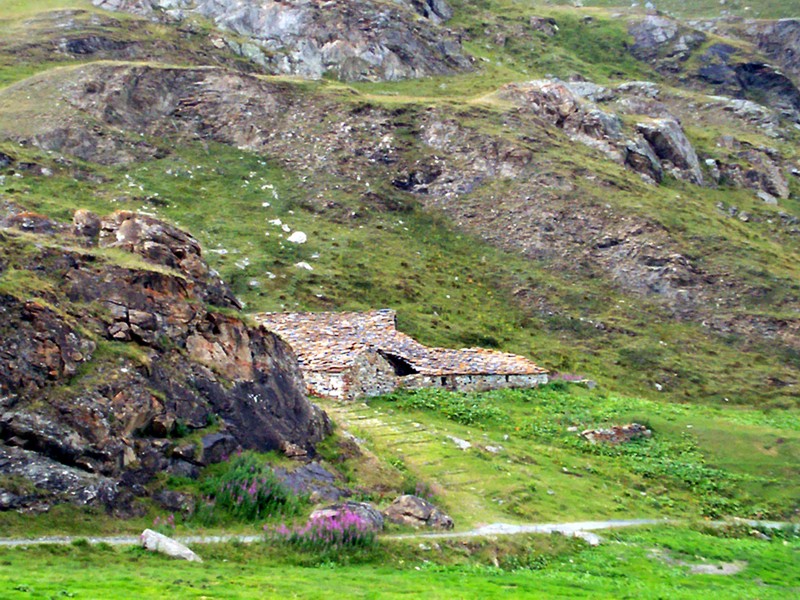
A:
(103, 366)
(417, 512)
(367, 40)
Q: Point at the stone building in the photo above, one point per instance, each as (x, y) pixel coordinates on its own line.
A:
(350, 355)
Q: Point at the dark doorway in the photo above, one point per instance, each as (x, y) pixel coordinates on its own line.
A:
(400, 365)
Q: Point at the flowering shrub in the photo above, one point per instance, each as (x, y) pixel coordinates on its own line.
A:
(346, 529)
(164, 525)
(247, 491)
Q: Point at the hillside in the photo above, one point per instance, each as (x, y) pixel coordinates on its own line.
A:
(611, 191)
(466, 203)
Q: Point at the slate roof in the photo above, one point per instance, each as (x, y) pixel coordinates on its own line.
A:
(331, 342)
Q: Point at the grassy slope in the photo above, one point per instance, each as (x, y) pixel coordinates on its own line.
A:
(701, 461)
(763, 9)
(448, 288)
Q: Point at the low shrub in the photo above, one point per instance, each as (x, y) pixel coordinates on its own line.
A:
(246, 491)
(341, 531)
(164, 525)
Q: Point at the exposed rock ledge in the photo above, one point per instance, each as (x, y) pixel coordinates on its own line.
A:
(105, 363)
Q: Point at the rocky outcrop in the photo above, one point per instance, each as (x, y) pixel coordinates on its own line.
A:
(660, 37)
(779, 40)
(727, 67)
(656, 145)
(417, 512)
(669, 142)
(104, 367)
(756, 169)
(558, 105)
(617, 434)
(775, 89)
(368, 40)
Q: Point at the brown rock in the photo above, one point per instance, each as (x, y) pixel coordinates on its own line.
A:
(417, 512)
(86, 223)
(617, 434)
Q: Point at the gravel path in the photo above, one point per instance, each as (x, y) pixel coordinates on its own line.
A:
(580, 529)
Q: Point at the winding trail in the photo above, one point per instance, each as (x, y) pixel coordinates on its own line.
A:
(580, 529)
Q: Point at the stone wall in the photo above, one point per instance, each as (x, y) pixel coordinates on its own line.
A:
(473, 383)
(327, 385)
(372, 375)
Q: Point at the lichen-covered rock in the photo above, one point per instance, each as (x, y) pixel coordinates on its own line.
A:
(312, 479)
(48, 481)
(172, 363)
(417, 512)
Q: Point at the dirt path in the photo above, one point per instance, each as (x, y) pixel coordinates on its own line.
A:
(580, 529)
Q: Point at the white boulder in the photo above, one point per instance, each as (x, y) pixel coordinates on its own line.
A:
(156, 542)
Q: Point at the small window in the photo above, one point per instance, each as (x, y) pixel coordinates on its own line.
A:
(444, 380)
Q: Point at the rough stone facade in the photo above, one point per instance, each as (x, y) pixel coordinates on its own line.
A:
(349, 356)
(474, 383)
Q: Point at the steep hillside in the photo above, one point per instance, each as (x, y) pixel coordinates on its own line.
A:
(627, 221)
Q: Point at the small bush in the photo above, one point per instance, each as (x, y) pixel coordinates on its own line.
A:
(165, 525)
(247, 491)
(341, 531)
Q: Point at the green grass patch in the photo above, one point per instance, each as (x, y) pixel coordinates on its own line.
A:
(701, 460)
(656, 563)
